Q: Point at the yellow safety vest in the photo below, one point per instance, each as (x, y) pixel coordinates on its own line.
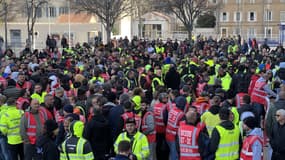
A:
(226, 82)
(139, 146)
(228, 148)
(41, 99)
(158, 81)
(100, 79)
(79, 154)
(211, 121)
(10, 124)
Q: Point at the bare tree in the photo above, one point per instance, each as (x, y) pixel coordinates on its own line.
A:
(6, 14)
(108, 11)
(185, 10)
(32, 6)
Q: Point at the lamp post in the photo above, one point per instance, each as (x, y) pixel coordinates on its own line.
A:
(6, 23)
(69, 27)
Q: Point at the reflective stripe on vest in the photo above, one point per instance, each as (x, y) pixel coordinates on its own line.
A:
(246, 152)
(188, 141)
(229, 143)
(127, 115)
(32, 126)
(173, 119)
(152, 135)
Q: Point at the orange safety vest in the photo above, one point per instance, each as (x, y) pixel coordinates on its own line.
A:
(239, 101)
(174, 117)
(188, 142)
(158, 117)
(32, 126)
(258, 94)
(127, 115)
(246, 151)
(151, 137)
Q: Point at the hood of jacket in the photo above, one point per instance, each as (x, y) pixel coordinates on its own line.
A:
(256, 132)
(77, 128)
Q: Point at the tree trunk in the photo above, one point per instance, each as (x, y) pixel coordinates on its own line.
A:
(6, 28)
(108, 30)
(189, 30)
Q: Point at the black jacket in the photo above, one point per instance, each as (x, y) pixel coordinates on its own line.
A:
(49, 148)
(277, 140)
(172, 79)
(215, 138)
(97, 132)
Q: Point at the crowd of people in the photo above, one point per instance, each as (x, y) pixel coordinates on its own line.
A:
(201, 99)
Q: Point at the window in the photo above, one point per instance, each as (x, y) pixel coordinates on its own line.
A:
(268, 15)
(237, 17)
(268, 32)
(214, 1)
(52, 11)
(282, 1)
(238, 1)
(63, 10)
(225, 1)
(251, 32)
(251, 16)
(224, 16)
(224, 32)
(282, 16)
(39, 12)
(268, 1)
(251, 1)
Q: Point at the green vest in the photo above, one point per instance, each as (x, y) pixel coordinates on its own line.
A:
(228, 148)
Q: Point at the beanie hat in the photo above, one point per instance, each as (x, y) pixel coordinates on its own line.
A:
(180, 102)
(68, 108)
(250, 122)
(50, 125)
(131, 120)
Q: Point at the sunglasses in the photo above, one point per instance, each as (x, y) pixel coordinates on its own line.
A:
(277, 115)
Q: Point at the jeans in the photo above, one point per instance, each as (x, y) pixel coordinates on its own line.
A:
(29, 151)
(16, 151)
(152, 155)
(162, 150)
(173, 150)
(4, 152)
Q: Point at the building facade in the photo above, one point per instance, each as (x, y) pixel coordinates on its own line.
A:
(251, 18)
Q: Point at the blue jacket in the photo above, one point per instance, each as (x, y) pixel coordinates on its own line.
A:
(121, 157)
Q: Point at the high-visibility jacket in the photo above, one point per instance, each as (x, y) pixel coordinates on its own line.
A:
(228, 148)
(210, 121)
(158, 81)
(158, 117)
(246, 151)
(226, 82)
(127, 115)
(201, 106)
(174, 117)
(258, 94)
(137, 101)
(32, 126)
(188, 142)
(139, 144)
(94, 79)
(239, 101)
(26, 85)
(253, 80)
(40, 98)
(78, 153)
(10, 124)
(151, 136)
(46, 113)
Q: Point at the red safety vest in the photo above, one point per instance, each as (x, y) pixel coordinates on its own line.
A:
(127, 115)
(188, 142)
(258, 95)
(46, 113)
(174, 117)
(246, 151)
(58, 117)
(253, 80)
(201, 106)
(239, 101)
(32, 126)
(20, 101)
(151, 137)
(26, 85)
(158, 117)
